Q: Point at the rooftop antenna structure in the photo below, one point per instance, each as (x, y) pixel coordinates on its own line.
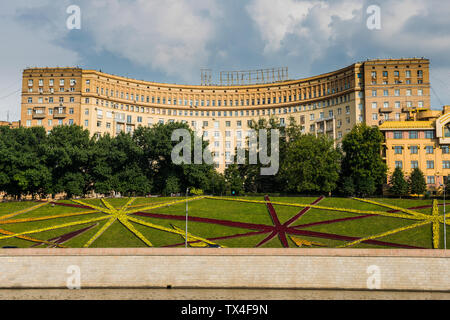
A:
(251, 77)
(205, 77)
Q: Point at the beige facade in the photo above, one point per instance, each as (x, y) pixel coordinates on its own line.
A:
(14, 124)
(423, 142)
(330, 103)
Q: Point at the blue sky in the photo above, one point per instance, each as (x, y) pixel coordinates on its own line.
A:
(171, 40)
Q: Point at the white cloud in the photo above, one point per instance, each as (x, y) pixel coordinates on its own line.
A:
(278, 19)
(25, 45)
(164, 35)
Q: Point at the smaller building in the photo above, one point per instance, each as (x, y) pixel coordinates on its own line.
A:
(14, 124)
(422, 142)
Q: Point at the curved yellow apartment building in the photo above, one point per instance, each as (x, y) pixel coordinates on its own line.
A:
(373, 91)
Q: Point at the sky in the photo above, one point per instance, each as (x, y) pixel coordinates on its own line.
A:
(172, 40)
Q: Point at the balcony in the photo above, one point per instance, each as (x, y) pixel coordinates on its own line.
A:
(386, 110)
(39, 113)
(59, 113)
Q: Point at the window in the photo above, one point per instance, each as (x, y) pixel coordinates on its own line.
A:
(399, 164)
(408, 92)
(397, 104)
(70, 122)
(414, 149)
(374, 116)
(429, 150)
(386, 93)
(414, 164)
(446, 164)
(398, 150)
(374, 93)
(397, 92)
(408, 73)
(398, 135)
(374, 105)
(420, 92)
(445, 149)
(430, 180)
(429, 134)
(430, 164)
(413, 134)
(61, 82)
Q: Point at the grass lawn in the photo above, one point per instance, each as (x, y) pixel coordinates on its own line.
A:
(225, 222)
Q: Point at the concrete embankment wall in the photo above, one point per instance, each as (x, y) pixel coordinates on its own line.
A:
(357, 269)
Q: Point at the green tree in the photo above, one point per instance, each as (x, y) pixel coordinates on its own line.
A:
(68, 152)
(417, 183)
(172, 185)
(254, 181)
(398, 184)
(362, 161)
(218, 184)
(234, 180)
(117, 166)
(23, 170)
(157, 145)
(347, 186)
(312, 164)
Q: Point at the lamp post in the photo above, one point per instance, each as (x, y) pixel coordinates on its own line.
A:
(445, 225)
(186, 238)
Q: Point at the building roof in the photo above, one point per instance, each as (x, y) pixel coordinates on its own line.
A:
(407, 125)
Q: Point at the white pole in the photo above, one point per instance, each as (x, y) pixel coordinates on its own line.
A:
(445, 225)
(186, 238)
